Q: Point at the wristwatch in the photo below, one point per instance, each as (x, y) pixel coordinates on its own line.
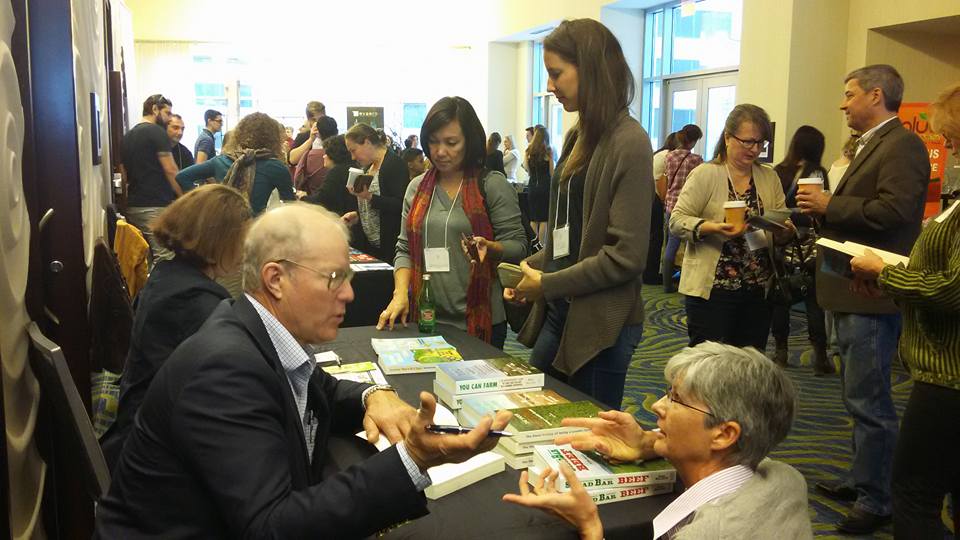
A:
(375, 388)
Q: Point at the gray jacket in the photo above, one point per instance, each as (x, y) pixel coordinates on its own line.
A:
(604, 286)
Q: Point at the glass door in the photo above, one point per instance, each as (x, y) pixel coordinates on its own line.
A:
(704, 101)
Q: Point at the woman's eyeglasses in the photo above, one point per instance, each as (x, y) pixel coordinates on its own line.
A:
(751, 143)
(671, 395)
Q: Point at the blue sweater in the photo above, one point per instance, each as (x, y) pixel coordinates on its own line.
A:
(271, 174)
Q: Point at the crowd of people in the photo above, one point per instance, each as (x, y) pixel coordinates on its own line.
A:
(222, 416)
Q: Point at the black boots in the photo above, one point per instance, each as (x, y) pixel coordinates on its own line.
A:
(822, 364)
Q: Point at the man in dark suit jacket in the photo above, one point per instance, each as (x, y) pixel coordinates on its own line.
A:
(878, 202)
(222, 445)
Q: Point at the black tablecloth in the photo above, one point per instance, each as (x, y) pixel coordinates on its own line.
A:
(476, 511)
(372, 291)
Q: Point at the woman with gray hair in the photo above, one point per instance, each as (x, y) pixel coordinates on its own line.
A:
(727, 264)
(724, 411)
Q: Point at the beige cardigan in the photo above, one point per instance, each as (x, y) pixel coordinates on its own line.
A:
(604, 285)
(702, 198)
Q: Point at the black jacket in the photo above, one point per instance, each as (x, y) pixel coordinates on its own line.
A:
(172, 306)
(394, 178)
(333, 194)
(217, 450)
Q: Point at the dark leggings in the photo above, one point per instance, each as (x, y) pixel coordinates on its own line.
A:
(740, 318)
(816, 322)
(925, 464)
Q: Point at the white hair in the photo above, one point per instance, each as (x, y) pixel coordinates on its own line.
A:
(738, 385)
(283, 233)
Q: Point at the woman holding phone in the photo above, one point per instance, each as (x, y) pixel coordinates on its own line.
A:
(378, 204)
(455, 208)
(586, 283)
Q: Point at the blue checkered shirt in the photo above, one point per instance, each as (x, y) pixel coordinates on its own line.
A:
(299, 366)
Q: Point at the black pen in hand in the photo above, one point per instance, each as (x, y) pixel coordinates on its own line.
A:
(458, 430)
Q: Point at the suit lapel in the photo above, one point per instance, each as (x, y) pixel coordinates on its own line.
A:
(865, 153)
(248, 316)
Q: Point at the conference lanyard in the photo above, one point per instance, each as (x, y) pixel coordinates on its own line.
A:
(755, 238)
(561, 235)
(438, 259)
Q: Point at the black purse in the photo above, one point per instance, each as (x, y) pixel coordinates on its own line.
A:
(787, 287)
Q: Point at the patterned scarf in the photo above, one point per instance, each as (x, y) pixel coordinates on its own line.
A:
(243, 171)
(479, 313)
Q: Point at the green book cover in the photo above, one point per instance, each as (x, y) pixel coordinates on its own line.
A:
(528, 419)
(436, 356)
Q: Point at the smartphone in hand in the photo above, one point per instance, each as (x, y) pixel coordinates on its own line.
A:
(472, 252)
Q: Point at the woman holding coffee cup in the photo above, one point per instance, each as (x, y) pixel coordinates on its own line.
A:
(727, 265)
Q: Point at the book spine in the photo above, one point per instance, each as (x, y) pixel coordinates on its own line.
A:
(623, 481)
(494, 384)
(612, 495)
(522, 443)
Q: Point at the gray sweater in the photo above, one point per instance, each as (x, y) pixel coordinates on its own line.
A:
(450, 288)
(772, 504)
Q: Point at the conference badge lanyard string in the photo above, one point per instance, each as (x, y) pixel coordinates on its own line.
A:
(561, 235)
(755, 238)
(437, 259)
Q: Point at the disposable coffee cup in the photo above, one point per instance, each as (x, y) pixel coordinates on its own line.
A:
(352, 175)
(809, 185)
(735, 212)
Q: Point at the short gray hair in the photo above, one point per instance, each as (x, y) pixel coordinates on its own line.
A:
(283, 233)
(884, 77)
(739, 385)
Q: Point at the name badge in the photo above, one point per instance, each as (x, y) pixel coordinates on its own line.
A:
(561, 242)
(436, 259)
(755, 240)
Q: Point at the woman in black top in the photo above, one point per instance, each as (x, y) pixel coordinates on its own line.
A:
(494, 159)
(205, 229)
(378, 207)
(802, 161)
(332, 193)
(539, 164)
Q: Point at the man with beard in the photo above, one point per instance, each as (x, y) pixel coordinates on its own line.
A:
(181, 155)
(149, 171)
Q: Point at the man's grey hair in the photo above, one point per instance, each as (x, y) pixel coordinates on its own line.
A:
(884, 77)
(284, 233)
(738, 385)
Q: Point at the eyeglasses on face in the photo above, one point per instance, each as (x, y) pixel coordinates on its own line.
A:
(750, 143)
(671, 395)
(335, 279)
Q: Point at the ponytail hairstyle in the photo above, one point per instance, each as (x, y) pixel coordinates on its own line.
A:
(688, 135)
(361, 133)
(605, 84)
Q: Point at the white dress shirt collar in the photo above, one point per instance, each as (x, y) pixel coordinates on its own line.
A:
(712, 487)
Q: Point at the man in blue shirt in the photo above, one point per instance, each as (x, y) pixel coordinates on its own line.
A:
(205, 148)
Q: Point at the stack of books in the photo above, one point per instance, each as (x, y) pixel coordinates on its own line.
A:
(604, 481)
(453, 382)
(413, 355)
(539, 424)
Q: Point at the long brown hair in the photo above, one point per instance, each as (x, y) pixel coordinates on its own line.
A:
(605, 84)
(539, 145)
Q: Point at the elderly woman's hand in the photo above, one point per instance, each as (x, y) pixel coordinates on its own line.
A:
(575, 506)
(615, 435)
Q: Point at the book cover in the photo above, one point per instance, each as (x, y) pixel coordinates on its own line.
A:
(362, 372)
(455, 401)
(541, 424)
(603, 496)
(450, 477)
(516, 461)
(596, 473)
(480, 405)
(413, 355)
(475, 376)
(852, 249)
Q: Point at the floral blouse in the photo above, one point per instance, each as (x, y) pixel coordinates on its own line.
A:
(738, 267)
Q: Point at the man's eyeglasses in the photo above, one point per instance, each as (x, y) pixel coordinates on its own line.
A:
(335, 279)
(750, 143)
(671, 395)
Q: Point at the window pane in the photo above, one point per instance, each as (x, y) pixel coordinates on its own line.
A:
(539, 70)
(707, 38)
(413, 115)
(684, 109)
(651, 115)
(720, 101)
(537, 113)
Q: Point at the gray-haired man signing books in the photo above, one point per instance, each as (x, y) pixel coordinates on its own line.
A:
(230, 438)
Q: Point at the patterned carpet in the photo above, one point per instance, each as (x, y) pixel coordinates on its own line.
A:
(818, 445)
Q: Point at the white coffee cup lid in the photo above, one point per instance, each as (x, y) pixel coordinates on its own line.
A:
(735, 204)
(811, 180)
(354, 170)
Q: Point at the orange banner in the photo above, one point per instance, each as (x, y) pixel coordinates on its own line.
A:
(915, 117)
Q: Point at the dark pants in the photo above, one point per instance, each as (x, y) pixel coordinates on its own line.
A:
(498, 335)
(651, 274)
(739, 318)
(669, 254)
(816, 323)
(926, 464)
(604, 375)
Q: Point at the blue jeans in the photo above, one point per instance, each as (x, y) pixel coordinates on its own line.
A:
(669, 254)
(604, 375)
(867, 344)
